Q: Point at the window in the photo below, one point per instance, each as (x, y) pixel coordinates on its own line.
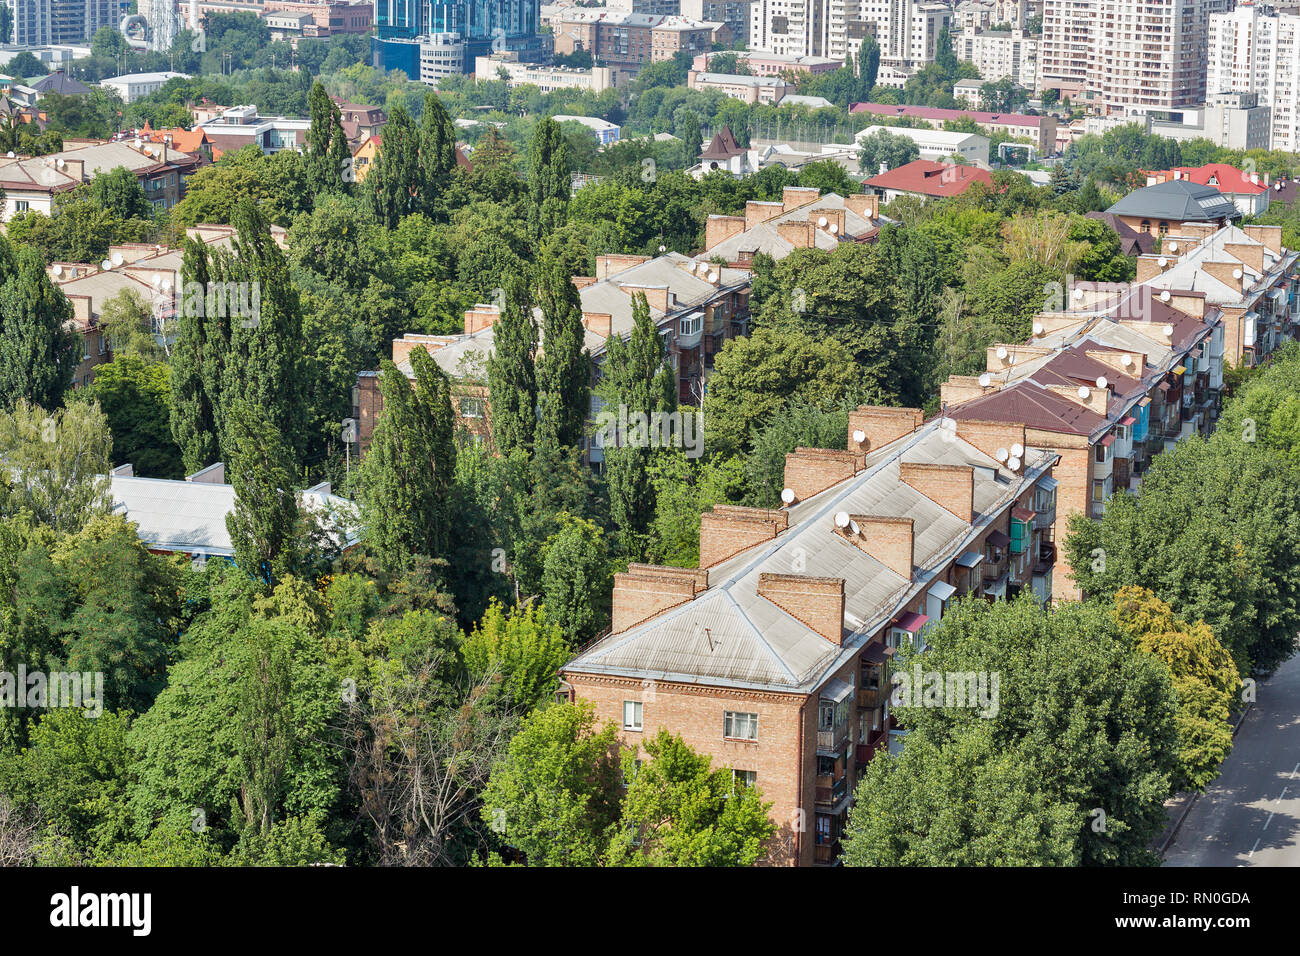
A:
(629, 778)
(103, 343)
(738, 726)
(743, 778)
(1101, 454)
(471, 408)
(21, 205)
(823, 829)
(631, 715)
(691, 325)
(1098, 491)
(1121, 432)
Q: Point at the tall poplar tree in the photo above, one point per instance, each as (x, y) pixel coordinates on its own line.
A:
(407, 476)
(437, 153)
(564, 366)
(38, 352)
(548, 179)
(635, 381)
(327, 146)
(265, 527)
(197, 359)
(512, 374)
(265, 366)
(393, 184)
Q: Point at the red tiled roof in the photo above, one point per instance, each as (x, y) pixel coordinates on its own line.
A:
(931, 179)
(1224, 177)
(939, 113)
(1029, 403)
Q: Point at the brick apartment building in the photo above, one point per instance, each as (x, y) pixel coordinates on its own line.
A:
(622, 40)
(773, 657)
(1123, 372)
(696, 303)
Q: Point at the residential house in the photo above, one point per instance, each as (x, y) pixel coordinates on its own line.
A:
(773, 657)
(1249, 191)
(1173, 206)
(1041, 130)
(926, 178)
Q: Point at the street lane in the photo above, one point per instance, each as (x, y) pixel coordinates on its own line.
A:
(1250, 816)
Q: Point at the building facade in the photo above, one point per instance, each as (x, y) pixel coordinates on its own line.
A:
(1256, 49)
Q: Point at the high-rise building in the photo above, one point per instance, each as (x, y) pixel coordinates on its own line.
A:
(484, 26)
(41, 22)
(1126, 56)
(1256, 49)
(907, 30)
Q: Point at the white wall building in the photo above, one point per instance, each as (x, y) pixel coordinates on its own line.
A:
(441, 55)
(1000, 53)
(132, 86)
(1255, 49)
(907, 30)
(939, 145)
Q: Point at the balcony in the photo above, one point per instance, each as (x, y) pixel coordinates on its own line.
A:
(1046, 557)
(869, 698)
(830, 791)
(825, 854)
(831, 742)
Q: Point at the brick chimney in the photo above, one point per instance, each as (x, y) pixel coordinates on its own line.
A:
(718, 229)
(834, 220)
(960, 389)
(411, 341)
(812, 470)
(581, 282)
(728, 530)
(1012, 355)
(1150, 266)
(886, 538)
(480, 317)
(951, 487)
(1270, 236)
(757, 213)
(1115, 360)
(879, 425)
(598, 323)
(866, 206)
(792, 197)
(1250, 253)
(989, 437)
(1229, 273)
(608, 265)
(1089, 396)
(645, 591)
(656, 296)
(816, 602)
(798, 234)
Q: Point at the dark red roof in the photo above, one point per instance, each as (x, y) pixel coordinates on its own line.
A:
(940, 113)
(1033, 405)
(722, 146)
(931, 179)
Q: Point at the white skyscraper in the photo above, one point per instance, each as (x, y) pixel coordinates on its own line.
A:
(1255, 49)
(907, 30)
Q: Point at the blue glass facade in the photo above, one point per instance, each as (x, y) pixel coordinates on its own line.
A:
(478, 21)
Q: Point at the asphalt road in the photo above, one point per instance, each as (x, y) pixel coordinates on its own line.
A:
(1250, 816)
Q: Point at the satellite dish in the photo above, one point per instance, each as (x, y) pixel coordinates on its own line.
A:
(1169, 330)
(1236, 273)
(853, 526)
(10, 154)
(1078, 293)
(117, 258)
(1038, 328)
(58, 269)
(841, 519)
(60, 163)
(713, 277)
(1014, 464)
(822, 222)
(859, 436)
(1002, 352)
(1162, 261)
(1173, 247)
(835, 228)
(1126, 360)
(1084, 391)
(787, 495)
(663, 248)
(1101, 381)
(986, 380)
(156, 279)
(1017, 450)
(106, 265)
(166, 286)
(1001, 454)
(1164, 296)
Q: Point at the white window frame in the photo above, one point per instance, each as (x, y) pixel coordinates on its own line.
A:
(638, 715)
(734, 721)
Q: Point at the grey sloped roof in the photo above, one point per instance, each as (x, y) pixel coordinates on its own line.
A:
(1177, 199)
(730, 636)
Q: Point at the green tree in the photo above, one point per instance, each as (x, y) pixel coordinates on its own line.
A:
(564, 366)
(56, 463)
(265, 526)
(135, 397)
(680, 811)
(406, 478)
(328, 156)
(512, 374)
(576, 580)
(118, 191)
(555, 797)
(202, 342)
(393, 183)
(548, 179)
(38, 351)
(523, 647)
(636, 382)
(127, 321)
(1205, 679)
(883, 148)
(755, 376)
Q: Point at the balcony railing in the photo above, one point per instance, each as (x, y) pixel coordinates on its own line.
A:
(869, 698)
(826, 853)
(830, 741)
(830, 791)
(1046, 557)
